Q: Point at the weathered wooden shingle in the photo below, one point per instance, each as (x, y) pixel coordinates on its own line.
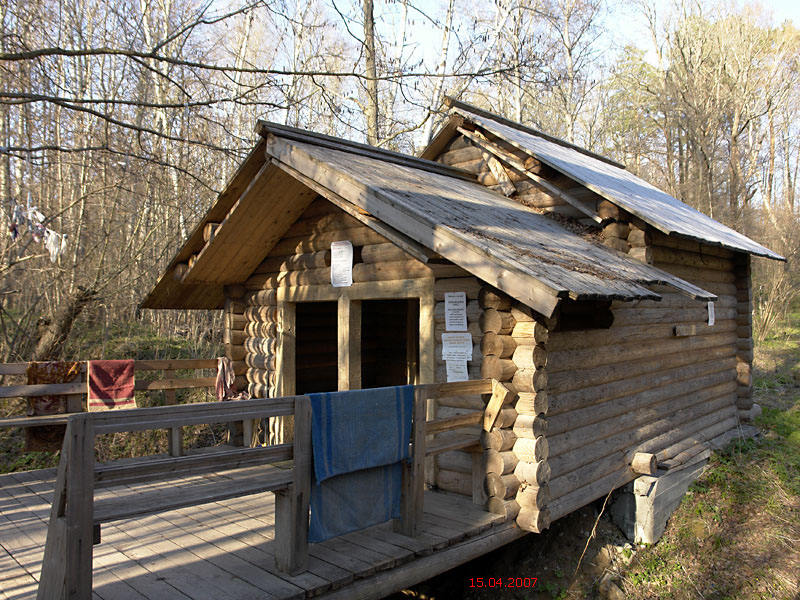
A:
(618, 185)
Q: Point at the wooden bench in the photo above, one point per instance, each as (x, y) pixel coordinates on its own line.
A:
(77, 515)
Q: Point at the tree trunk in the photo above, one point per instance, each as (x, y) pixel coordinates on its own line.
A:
(372, 81)
(53, 332)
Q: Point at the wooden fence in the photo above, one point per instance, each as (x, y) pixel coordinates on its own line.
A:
(76, 513)
(75, 392)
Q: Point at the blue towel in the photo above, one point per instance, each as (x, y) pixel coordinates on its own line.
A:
(359, 439)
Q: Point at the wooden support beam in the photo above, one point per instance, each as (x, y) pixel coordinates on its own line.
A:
(414, 472)
(349, 344)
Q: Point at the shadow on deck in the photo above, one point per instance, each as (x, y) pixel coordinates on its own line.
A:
(225, 549)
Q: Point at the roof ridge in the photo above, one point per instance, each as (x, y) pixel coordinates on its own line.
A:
(459, 104)
(303, 135)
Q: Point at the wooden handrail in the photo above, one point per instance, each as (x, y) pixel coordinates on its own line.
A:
(166, 364)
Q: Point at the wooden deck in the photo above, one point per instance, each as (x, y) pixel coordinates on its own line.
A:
(225, 550)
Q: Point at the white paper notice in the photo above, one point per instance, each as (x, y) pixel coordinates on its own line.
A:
(341, 264)
(711, 315)
(455, 311)
(457, 370)
(457, 346)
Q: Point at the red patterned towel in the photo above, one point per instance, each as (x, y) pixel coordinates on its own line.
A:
(111, 384)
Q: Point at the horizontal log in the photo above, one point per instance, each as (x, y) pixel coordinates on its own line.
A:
(533, 496)
(506, 418)
(535, 521)
(265, 376)
(260, 390)
(455, 461)
(235, 306)
(581, 496)
(262, 314)
(358, 236)
(502, 486)
(577, 437)
(260, 361)
(641, 316)
(533, 473)
(644, 437)
(528, 426)
(530, 357)
(472, 328)
(499, 440)
(453, 481)
(619, 351)
(317, 224)
(696, 275)
(498, 345)
(260, 345)
(501, 369)
(682, 382)
(501, 463)
(529, 450)
(296, 262)
(720, 411)
(689, 445)
(473, 312)
(389, 271)
(388, 252)
(469, 285)
(530, 380)
(661, 240)
(235, 321)
(691, 259)
(593, 377)
(522, 332)
(491, 298)
(496, 321)
(261, 298)
(235, 352)
(508, 508)
(531, 403)
(180, 270)
(261, 330)
(460, 155)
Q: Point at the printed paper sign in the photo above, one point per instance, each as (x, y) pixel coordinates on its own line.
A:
(455, 311)
(341, 264)
(457, 346)
(456, 370)
(711, 315)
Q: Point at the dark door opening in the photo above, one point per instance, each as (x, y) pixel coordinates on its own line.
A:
(316, 355)
(389, 342)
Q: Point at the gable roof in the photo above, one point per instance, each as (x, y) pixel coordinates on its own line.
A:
(611, 181)
(517, 250)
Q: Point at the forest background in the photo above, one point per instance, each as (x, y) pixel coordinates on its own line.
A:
(121, 121)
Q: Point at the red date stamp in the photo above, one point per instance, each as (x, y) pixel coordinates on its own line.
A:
(502, 582)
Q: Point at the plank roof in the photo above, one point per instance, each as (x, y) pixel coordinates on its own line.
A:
(615, 183)
(510, 246)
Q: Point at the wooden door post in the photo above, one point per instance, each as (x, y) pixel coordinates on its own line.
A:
(412, 502)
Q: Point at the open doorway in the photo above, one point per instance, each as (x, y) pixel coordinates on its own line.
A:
(389, 342)
(316, 356)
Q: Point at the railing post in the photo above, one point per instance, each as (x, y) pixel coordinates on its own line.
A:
(291, 505)
(67, 564)
(175, 434)
(414, 471)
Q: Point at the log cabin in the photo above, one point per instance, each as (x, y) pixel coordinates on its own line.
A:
(615, 319)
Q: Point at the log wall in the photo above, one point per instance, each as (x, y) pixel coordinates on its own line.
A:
(659, 380)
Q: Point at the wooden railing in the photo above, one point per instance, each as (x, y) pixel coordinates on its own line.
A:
(75, 392)
(77, 513)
